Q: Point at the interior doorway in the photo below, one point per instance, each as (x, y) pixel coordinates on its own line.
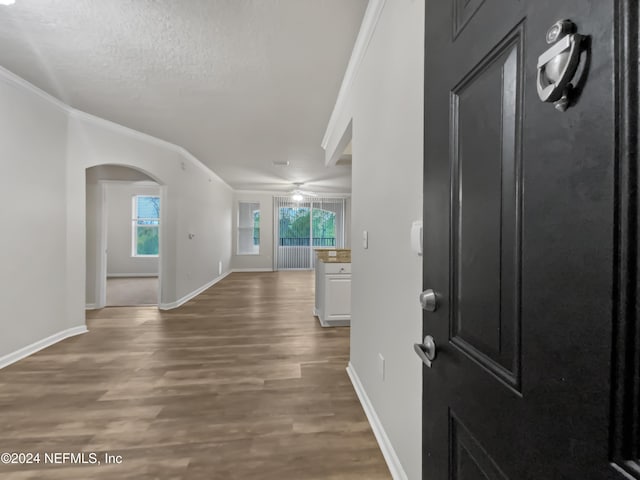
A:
(123, 222)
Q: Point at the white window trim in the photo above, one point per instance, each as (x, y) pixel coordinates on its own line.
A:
(134, 227)
(239, 228)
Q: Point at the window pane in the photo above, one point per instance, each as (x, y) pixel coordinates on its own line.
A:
(148, 207)
(248, 228)
(147, 241)
(256, 227)
(324, 228)
(294, 226)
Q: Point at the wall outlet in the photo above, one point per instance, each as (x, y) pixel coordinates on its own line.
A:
(381, 366)
(365, 239)
(220, 267)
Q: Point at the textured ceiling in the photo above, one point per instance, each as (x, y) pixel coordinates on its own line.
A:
(239, 83)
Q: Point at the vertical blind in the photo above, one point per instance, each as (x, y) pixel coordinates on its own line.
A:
(301, 227)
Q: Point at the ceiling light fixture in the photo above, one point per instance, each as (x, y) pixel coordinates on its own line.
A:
(298, 195)
(7, 2)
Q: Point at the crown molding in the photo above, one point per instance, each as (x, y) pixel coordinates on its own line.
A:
(367, 29)
(145, 137)
(11, 78)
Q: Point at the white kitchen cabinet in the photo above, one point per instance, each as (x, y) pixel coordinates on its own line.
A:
(333, 293)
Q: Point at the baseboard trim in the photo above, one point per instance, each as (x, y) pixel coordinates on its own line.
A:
(248, 270)
(189, 296)
(390, 456)
(40, 345)
(334, 323)
(131, 275)
(91, 306)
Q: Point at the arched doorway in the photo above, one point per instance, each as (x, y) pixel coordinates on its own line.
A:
(123, 237)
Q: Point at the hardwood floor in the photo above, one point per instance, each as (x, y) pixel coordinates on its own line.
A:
(132, 291)
(239, 383)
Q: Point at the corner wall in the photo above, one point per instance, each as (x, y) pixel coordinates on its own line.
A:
(382, 100)
(45, 149)
(33, 149)
(195, 200)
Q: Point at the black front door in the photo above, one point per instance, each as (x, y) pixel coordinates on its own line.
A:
(529, 240)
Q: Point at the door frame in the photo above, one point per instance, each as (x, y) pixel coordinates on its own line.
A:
(100, 259)
(625, 429)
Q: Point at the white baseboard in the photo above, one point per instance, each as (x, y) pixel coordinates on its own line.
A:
(131, 275)
(189, 296)
(41, 344)
(334, 323)
(91, 306)
(390, 456)
(242, 270)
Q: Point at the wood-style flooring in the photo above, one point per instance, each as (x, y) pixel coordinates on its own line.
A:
(239, 383)
(132, 291)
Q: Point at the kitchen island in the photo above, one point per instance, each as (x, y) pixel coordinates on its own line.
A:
(333, 287)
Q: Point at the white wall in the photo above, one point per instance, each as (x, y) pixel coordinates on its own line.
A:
(264, 260)
(194, 201)
(120, 262)
(95, 199)
(385, 104)
(347, 222)
(45, 150)
(33, 259)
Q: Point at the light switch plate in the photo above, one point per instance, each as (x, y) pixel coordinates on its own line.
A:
(365, 239)
(416, 237)
(381, 366)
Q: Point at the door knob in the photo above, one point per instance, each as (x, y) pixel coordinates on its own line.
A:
(429, 300)
(426, 350)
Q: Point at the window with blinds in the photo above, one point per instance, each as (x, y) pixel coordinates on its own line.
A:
(301, 227)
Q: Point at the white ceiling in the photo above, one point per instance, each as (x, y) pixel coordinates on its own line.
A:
(238, 83)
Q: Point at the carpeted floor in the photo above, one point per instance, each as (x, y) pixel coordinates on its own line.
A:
(132, 291)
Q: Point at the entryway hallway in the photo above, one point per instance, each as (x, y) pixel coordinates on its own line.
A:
(239, 383)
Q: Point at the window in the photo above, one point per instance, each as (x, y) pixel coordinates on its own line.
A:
(145, 224)
(248, 228)
(305, 226)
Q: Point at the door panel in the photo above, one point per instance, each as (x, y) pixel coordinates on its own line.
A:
(485, 249)
(522, 239)
(469, 460)
(463, 10)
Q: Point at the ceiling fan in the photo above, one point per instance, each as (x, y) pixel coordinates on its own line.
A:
(297, 195)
